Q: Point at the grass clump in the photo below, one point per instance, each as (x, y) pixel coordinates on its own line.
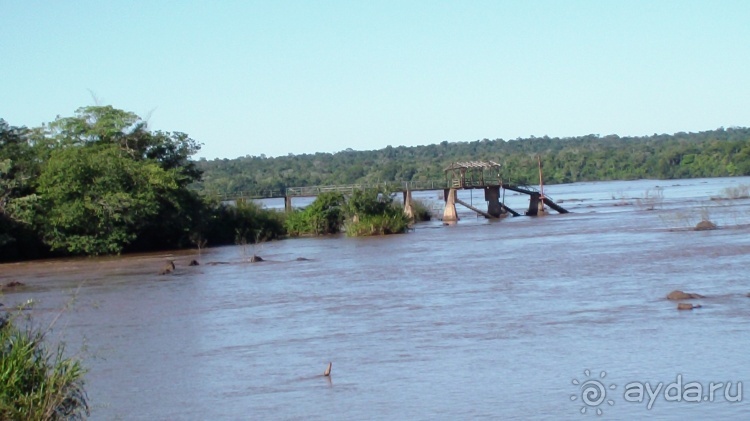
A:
(651, 200)
(421, 211)
(37, 382)
(736, 192)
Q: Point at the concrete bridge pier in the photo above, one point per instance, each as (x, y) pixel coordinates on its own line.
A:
(449, 214)
(492, 197)
(288, 203)
(534, 204)
(408, 208)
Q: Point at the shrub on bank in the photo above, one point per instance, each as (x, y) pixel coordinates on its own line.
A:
(37, 383)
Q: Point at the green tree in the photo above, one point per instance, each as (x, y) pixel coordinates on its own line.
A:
(19, 168)
(96, 199)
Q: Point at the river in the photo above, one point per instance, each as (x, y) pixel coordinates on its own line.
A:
(511, 319)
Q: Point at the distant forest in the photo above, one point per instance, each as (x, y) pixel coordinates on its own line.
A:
(714, 153)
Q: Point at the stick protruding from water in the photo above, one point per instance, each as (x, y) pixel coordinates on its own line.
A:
(327, 373)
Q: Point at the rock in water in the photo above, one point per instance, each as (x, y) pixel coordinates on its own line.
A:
(14, 284)
(679, 295)
(705, 226)
(168, 268)
(256, 259)
(687, 306)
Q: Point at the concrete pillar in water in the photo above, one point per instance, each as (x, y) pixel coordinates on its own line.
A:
(541, 211)
(492, 196)
(408, 208)
(533, 204)
(288, 203)
(449, 214)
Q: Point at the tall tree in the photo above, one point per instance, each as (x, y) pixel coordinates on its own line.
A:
(129, 183)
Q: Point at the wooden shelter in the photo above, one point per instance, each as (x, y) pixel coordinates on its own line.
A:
(469, 174)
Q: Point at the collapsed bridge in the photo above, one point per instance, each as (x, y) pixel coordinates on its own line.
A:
(479, 175)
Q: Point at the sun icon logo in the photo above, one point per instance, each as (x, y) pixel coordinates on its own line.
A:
(593, 392)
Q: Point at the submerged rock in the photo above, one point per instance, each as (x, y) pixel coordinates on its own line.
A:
(687, 306)
(14, 284)
(193, 263)
(256, 259)
(679, 295)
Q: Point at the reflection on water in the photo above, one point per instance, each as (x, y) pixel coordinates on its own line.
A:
(478, 320)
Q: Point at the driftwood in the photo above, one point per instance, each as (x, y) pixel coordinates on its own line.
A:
(327, 373)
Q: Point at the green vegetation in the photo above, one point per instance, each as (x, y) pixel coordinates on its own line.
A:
(373, 212)
(324, 216)
(101, 183)
(365, 212)
(37, 383)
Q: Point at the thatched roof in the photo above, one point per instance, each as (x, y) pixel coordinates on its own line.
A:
(473, 165)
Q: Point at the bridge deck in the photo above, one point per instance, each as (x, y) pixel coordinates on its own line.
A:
(311, 191)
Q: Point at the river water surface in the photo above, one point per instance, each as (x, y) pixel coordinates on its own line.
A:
(511, 319)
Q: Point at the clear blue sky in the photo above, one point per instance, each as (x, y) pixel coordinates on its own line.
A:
(276, 77)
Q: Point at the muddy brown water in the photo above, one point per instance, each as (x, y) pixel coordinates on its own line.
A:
(484, 319)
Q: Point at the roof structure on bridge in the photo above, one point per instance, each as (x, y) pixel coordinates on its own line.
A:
(472, 165)
(473, 173)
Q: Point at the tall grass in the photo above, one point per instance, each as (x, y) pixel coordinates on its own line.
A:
(421, 211)
(37, 382)
(736, 192)
(651, 200)
(388, 223)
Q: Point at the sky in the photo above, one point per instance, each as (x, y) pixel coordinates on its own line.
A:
(281, 77)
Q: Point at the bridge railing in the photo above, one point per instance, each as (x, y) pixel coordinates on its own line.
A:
(309, 191)
(350, 188)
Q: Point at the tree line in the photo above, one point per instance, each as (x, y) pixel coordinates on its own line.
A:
(714, 153)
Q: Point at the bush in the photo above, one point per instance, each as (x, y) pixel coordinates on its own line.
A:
(373, 212)
(325, 215)
(246, 221)
(37, 384)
